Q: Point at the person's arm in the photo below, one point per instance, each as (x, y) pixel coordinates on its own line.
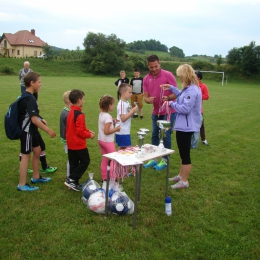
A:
(147, 98)
(38, 123)
(204, 92)
(108, 130)
(124, 117)
(81, 129)
(19, 75)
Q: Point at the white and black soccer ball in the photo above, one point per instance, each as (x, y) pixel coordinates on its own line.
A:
(119, 203)
(89, 187)
(97, 201)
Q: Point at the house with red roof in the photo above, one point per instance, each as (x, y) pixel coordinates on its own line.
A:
(21, 44)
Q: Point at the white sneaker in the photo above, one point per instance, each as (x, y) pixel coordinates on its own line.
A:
(175, 178)
(180, 185)
(205, 142)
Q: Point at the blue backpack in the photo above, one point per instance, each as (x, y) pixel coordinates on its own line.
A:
(12, 128)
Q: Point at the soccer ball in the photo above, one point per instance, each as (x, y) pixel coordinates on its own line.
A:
(119, 203)
(131, 207)
(89, 187)
(97, 201)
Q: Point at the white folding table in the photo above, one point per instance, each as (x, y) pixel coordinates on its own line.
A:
(138, 161)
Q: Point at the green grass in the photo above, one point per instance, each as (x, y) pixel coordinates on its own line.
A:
(216, 218)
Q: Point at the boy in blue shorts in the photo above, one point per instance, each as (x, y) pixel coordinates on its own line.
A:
(124, 114)
(30, 140)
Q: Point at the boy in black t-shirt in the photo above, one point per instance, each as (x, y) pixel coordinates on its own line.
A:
(122, 79)
(28, 110)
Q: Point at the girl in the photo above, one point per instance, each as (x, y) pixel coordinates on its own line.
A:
(106, 132)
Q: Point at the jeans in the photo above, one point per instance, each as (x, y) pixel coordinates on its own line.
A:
(167, 140)
(195, 137)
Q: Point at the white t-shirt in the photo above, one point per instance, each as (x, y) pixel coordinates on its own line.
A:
(104, 118)
(123, 109)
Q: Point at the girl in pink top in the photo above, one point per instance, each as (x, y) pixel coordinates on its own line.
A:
(106, 132)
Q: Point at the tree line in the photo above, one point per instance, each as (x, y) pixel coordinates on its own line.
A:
(105, 55)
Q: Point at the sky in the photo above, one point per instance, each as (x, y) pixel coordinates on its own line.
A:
(197, 27)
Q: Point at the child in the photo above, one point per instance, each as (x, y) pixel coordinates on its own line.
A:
(137, 95)
(30, 139)
(122, 79)
(63, 122)
(45, 167)
(124, 114)
(106, 132)
(76, 135)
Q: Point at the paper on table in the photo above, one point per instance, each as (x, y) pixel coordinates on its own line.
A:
(126, 159)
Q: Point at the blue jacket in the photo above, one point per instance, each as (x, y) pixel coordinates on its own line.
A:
(188, 108)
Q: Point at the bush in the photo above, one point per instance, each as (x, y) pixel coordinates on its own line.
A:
(202, 65)
(7, 70)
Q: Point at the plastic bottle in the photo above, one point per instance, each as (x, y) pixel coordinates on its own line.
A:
(168, 206)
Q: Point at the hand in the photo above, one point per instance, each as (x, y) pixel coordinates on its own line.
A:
(165, 98)
(165, 86)
(149, 100)
(118, 128)
(135, 109)
(92, 134)
(51, 133)
(171, 103)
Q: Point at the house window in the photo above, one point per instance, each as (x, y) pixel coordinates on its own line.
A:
(5, 43)
(18, 52)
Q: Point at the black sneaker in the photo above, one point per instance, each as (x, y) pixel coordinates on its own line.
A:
(135, 116)
(72, 185)
(141, 117)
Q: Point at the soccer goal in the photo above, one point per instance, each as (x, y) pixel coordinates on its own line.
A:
(223, 74)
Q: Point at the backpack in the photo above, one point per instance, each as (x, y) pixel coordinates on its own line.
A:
(13, 129)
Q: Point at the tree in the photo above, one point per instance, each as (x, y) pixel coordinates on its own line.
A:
(104, 54)
(219, 60)
(177, 52)
(47, 49)
(246, 59)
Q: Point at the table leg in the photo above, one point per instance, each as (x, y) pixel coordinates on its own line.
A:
(137, 186)
(167, 176)
(140, 179)
(107, 187)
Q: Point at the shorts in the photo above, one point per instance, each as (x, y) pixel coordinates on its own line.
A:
(28, 142)
(137, 98)
(123, 140)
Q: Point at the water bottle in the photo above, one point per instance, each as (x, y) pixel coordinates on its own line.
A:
(168, 206)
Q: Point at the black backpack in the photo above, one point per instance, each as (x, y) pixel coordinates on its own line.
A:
(12, 128)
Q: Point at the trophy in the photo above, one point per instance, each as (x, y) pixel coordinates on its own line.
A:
(164, 126)
(140, 135)
(145, 130)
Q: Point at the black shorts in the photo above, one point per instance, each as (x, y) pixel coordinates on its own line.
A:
(28, 142)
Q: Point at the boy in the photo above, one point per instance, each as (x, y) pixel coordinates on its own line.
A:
(124, 114)
(45, 167)
(122, 79)
(30, 139)
(76, 135)
(63, 123)
(137, 95)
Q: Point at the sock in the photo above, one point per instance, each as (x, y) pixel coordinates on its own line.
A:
(68, 169)
(185, 182)
(43, 161)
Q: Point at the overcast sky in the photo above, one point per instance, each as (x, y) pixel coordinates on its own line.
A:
(197, 27)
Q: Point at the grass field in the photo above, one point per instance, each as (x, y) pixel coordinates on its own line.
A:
(216, 218)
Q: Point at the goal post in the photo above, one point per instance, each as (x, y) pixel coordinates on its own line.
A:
(223, 74)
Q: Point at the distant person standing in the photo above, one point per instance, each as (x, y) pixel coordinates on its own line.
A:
(22, 73)
(122, 79)
(205, 96)
(137, 94)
